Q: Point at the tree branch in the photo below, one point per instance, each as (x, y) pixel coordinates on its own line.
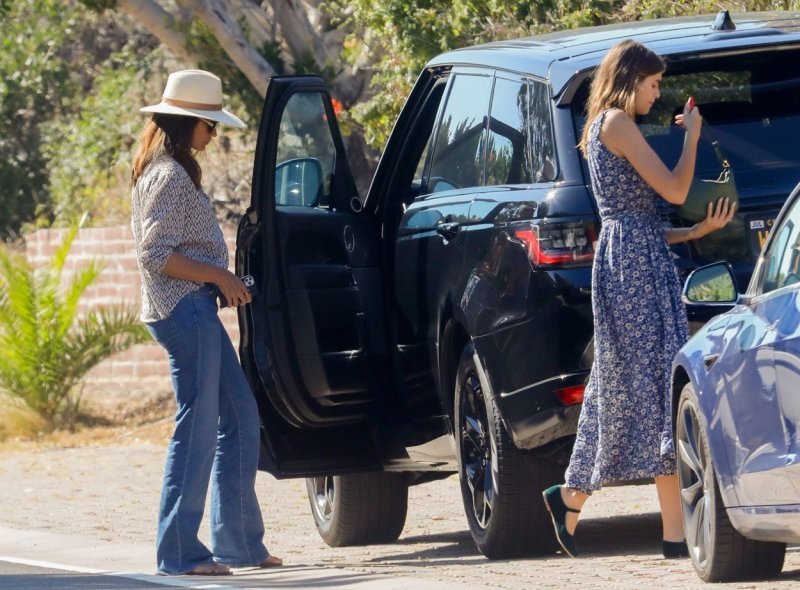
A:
(160, 24)
(255, 68)
(299, 33)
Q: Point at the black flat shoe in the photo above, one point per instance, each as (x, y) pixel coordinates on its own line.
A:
(558, 514)
(674, 550)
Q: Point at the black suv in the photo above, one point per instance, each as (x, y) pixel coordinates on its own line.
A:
(443, 323)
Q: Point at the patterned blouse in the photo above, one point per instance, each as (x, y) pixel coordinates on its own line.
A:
(169, 214)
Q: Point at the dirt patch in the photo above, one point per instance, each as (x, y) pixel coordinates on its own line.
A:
(142, 421)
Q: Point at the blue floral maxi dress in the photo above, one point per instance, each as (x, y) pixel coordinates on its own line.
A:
(625, 426)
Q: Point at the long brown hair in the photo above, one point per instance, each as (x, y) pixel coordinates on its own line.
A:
(170, 135)
(614, 83)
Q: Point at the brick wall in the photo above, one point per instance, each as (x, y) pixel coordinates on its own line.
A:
(143, 370)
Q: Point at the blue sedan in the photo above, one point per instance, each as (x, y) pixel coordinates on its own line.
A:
(736, 387)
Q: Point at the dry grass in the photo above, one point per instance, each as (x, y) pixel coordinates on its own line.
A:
(18, 420)
(144, 421)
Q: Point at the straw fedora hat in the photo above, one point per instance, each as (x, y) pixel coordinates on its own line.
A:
(194, 93)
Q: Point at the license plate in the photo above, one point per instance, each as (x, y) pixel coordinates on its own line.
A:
(758, 227)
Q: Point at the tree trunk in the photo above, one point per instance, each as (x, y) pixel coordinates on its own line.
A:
(299, 33)
(161, 24)
(255, 68)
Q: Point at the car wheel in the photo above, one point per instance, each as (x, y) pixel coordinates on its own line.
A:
(500, 485)
(719, 552)
(359, 509)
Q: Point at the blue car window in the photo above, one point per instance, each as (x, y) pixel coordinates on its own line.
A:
(782, 261)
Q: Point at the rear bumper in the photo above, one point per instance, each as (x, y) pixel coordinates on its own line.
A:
(534, 417)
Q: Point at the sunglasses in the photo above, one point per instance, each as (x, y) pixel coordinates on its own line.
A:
(212, 125)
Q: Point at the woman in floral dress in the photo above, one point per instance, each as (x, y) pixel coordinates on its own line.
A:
(625, 427)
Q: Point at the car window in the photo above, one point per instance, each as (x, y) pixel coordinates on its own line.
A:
(457, 160)
(782, 261)
(751, 102)
(752, 106)
(306, 157)
(540, 134)
(520, 145)
(427, 128)
(508, 147)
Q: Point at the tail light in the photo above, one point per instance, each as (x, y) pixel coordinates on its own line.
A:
(559, 244)
(569, 396)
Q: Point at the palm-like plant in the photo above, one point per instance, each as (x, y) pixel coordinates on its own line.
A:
(47, 347)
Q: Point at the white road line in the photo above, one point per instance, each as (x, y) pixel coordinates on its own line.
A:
(161, 580)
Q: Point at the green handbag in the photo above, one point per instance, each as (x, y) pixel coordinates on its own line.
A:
(702, 191)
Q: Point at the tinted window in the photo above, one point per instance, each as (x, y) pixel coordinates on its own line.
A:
(508, 148)
(520, 147)
(306, 156)
(782, 262)
(752, 104)
(540, 135)
(457, 160)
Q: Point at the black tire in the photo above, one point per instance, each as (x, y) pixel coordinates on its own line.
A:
(718, 551)
(360, 509)
(500, 485)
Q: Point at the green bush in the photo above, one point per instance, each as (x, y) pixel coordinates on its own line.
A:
(47, 346)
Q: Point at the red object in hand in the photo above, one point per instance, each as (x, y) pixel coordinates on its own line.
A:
(690, 103)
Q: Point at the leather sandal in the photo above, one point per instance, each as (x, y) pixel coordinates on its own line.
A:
(271, 561)
(558, 514)
(210, 569)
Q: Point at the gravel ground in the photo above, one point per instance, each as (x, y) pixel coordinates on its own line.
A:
(110, 492)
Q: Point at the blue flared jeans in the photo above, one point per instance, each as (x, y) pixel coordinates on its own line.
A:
(216, 436)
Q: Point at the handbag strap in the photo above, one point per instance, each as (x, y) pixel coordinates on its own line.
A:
(723, 159)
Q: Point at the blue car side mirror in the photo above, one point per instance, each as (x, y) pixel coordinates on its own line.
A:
(714, 283)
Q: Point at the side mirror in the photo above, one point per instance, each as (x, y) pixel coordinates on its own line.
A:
(714, 283)
(298, 182)
(422, 219)
(438, 184)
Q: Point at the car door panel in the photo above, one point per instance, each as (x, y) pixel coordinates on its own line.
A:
(747, 380)
(776, 284)
(330, 312)
(787, 376)
(313, 342)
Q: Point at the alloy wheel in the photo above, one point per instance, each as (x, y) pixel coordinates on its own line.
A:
(693, 473)
(477, 450)
(323, 497)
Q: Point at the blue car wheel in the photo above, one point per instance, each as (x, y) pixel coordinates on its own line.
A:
(718, 551)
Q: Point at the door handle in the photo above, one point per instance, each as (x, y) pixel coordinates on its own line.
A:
(448, 230)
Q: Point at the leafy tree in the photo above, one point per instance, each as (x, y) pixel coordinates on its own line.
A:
(34, 86)
(48, 348)
(74, 72)
(50, 53)
(400, 36)
(88, 159)
(643, 9)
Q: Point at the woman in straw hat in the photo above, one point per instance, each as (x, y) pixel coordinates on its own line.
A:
(183, 261)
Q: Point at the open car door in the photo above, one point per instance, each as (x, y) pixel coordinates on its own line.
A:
(313, 341)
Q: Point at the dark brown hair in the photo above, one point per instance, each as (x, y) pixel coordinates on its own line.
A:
(171, 135)
(614, 82)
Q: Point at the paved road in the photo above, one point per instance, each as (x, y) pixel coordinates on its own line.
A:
(21, 576)
(95, 507)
